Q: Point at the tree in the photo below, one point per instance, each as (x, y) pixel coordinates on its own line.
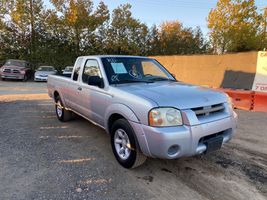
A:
(126, 34)
(19, 19)
(153, 43)
(54, 45)
(97, 37)
(234, 26)
(70, 28)
(78, 16)
(5, 7)
(173, 38)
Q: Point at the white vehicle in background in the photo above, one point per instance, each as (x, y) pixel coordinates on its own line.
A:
(42, 73)
(67, 71)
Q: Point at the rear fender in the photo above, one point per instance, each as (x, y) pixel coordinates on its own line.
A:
(60, 95)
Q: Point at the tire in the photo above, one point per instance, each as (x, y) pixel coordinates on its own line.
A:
(25, 78)
(129, 157)
(63, 115)
(3, 79)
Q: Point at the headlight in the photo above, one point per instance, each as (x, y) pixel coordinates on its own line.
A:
(165, 117)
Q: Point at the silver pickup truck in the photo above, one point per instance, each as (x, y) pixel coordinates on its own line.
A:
(145, 110)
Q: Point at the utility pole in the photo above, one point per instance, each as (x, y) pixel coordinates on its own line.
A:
(32, 31)
(264, 31)
(264, 21)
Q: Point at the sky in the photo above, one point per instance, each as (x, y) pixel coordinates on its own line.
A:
(191, 13)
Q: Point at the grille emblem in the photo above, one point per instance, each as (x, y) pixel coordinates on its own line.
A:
(207, 108)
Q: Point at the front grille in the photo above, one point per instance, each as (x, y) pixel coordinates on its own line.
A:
(208, 110)
(15, 71)
(7, 70)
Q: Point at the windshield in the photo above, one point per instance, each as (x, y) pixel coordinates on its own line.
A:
(15, 63)
(45, 68)
(68, 69)
(130, 69)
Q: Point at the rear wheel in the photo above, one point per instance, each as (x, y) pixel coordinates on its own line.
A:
(61, 112)
(124, 145)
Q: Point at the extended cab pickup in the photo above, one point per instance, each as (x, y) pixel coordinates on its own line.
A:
(146, 111)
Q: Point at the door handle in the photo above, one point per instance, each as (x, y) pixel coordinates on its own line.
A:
(80, 88)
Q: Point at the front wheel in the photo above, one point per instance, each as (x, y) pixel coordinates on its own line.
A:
(25, 78)
(124, 145)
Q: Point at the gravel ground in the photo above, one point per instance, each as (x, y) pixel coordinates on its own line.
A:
(42, 158)
(19, 87)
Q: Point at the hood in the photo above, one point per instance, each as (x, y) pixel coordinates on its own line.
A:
(44, 73)
(175, 94)
(13, 67)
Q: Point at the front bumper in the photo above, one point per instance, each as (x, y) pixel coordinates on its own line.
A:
(40, 78)
(12, 76)
(186, 140)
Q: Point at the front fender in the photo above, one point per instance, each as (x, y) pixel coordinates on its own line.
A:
(121, 109)
(128, 114)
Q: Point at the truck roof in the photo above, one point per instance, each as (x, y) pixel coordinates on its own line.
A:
(108, 56)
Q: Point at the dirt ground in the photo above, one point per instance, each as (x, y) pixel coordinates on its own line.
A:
(42, 158)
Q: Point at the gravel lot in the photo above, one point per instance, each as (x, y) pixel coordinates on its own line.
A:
(42, 158)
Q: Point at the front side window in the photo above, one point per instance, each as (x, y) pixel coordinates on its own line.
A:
(91, 68)
(133, 69)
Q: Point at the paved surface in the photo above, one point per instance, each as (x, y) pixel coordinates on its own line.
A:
(42, 158)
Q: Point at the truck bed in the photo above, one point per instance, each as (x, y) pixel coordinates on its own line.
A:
(58, 83)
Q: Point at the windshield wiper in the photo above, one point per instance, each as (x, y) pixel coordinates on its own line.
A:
(134, 81)
(160, 79)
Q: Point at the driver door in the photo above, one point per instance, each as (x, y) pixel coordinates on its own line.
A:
(93, 100)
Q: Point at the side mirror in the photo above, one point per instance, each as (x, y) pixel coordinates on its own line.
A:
(96, 81)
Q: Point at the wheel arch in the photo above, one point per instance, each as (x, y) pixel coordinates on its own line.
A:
(56, 94)
(118, 111)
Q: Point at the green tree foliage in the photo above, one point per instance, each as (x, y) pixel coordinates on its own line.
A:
(173, 38)
(70, 28)
(235, 26)
(80, 19)
(127, 35)
(96, 36)
(154, 43)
